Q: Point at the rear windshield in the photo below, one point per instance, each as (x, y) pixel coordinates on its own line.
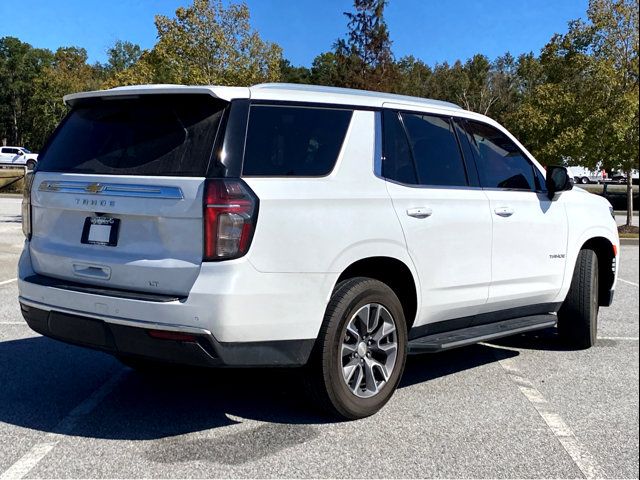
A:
(145, 135)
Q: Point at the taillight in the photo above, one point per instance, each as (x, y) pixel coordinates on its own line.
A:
(26, 205)
(230, 212)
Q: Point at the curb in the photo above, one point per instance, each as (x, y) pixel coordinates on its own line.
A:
(629, 241)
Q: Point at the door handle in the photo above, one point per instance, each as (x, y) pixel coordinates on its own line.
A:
(419, 212)
(504, 211)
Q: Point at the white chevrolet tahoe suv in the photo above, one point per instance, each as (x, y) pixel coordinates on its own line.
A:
(288, 225)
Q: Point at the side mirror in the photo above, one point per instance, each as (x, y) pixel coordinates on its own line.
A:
(20, 153)
(557, 180)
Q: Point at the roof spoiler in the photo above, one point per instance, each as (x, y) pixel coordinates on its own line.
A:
(222, 93)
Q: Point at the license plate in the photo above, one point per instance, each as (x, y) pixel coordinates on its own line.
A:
(101, 231)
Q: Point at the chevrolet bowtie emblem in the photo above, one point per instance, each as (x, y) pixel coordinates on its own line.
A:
(94, 188)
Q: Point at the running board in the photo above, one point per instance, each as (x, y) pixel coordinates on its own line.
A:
(480, 333)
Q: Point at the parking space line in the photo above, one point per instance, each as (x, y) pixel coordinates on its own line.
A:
(582, 458)
(629, 282)
(7, 282)
(631, 339)
(29, 460)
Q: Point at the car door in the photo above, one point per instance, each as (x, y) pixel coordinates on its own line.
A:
(529, 230)
(444, 215)
(5, 155)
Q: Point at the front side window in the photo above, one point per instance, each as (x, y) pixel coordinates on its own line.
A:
(435, 150)
(294, 141)
(501, 164)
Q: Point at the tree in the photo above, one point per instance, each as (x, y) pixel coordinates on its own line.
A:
(67, 73)
(20, 66)
(614, 42)
(122, 55)
(585, 108)
(413, 77)
(364, 58)
(291, 74)
(206, 43)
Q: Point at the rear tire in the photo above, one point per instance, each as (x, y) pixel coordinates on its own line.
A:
(584, 180)
(359, 356)
(578, 316)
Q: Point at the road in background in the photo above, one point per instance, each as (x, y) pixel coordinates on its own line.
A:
(521, 407)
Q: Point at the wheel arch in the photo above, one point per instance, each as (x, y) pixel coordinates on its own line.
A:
(604, 251)
(393, 272)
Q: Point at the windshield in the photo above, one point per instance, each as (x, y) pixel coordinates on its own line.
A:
(146, 135)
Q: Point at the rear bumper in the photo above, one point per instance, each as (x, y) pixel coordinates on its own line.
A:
(201, 349)
(231, 300)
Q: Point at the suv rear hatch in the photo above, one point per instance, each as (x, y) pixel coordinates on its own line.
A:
(117, 195)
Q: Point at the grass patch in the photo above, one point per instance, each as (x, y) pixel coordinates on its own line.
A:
(628, 231)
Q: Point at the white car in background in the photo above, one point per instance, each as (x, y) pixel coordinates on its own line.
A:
(17, 156)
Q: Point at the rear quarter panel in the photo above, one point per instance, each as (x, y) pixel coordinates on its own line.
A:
(322, 225)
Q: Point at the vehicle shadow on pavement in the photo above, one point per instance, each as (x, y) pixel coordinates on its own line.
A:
(547, 339)
(429, 366)
(42, 380)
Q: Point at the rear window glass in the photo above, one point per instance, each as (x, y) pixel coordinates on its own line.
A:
(294, 141)
(146, 135)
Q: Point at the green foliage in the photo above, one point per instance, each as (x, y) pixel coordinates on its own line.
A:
(20, 66)
(582, 106)
(364, 58)
(206, 44)
(122, 55)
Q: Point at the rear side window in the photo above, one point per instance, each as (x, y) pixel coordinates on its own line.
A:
(145, 135)
(294, 141)
(435, 150)
(501, 164)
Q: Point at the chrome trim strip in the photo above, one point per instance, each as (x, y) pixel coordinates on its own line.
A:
(117, 320)
(112, 189)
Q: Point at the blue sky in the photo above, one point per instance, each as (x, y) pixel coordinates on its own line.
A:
(432, 30)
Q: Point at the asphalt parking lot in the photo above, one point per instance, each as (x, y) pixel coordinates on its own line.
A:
(522, 407)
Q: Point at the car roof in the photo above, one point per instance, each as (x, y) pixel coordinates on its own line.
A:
(347, 96)
(277, 92)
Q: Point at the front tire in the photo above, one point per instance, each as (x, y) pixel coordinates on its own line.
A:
(361, 350)
(31, 164)
(584, 180)
(578, 316)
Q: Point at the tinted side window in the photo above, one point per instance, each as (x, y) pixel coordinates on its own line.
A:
(501, 164)
(435, 150)
(294, 141)
(397, 164)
